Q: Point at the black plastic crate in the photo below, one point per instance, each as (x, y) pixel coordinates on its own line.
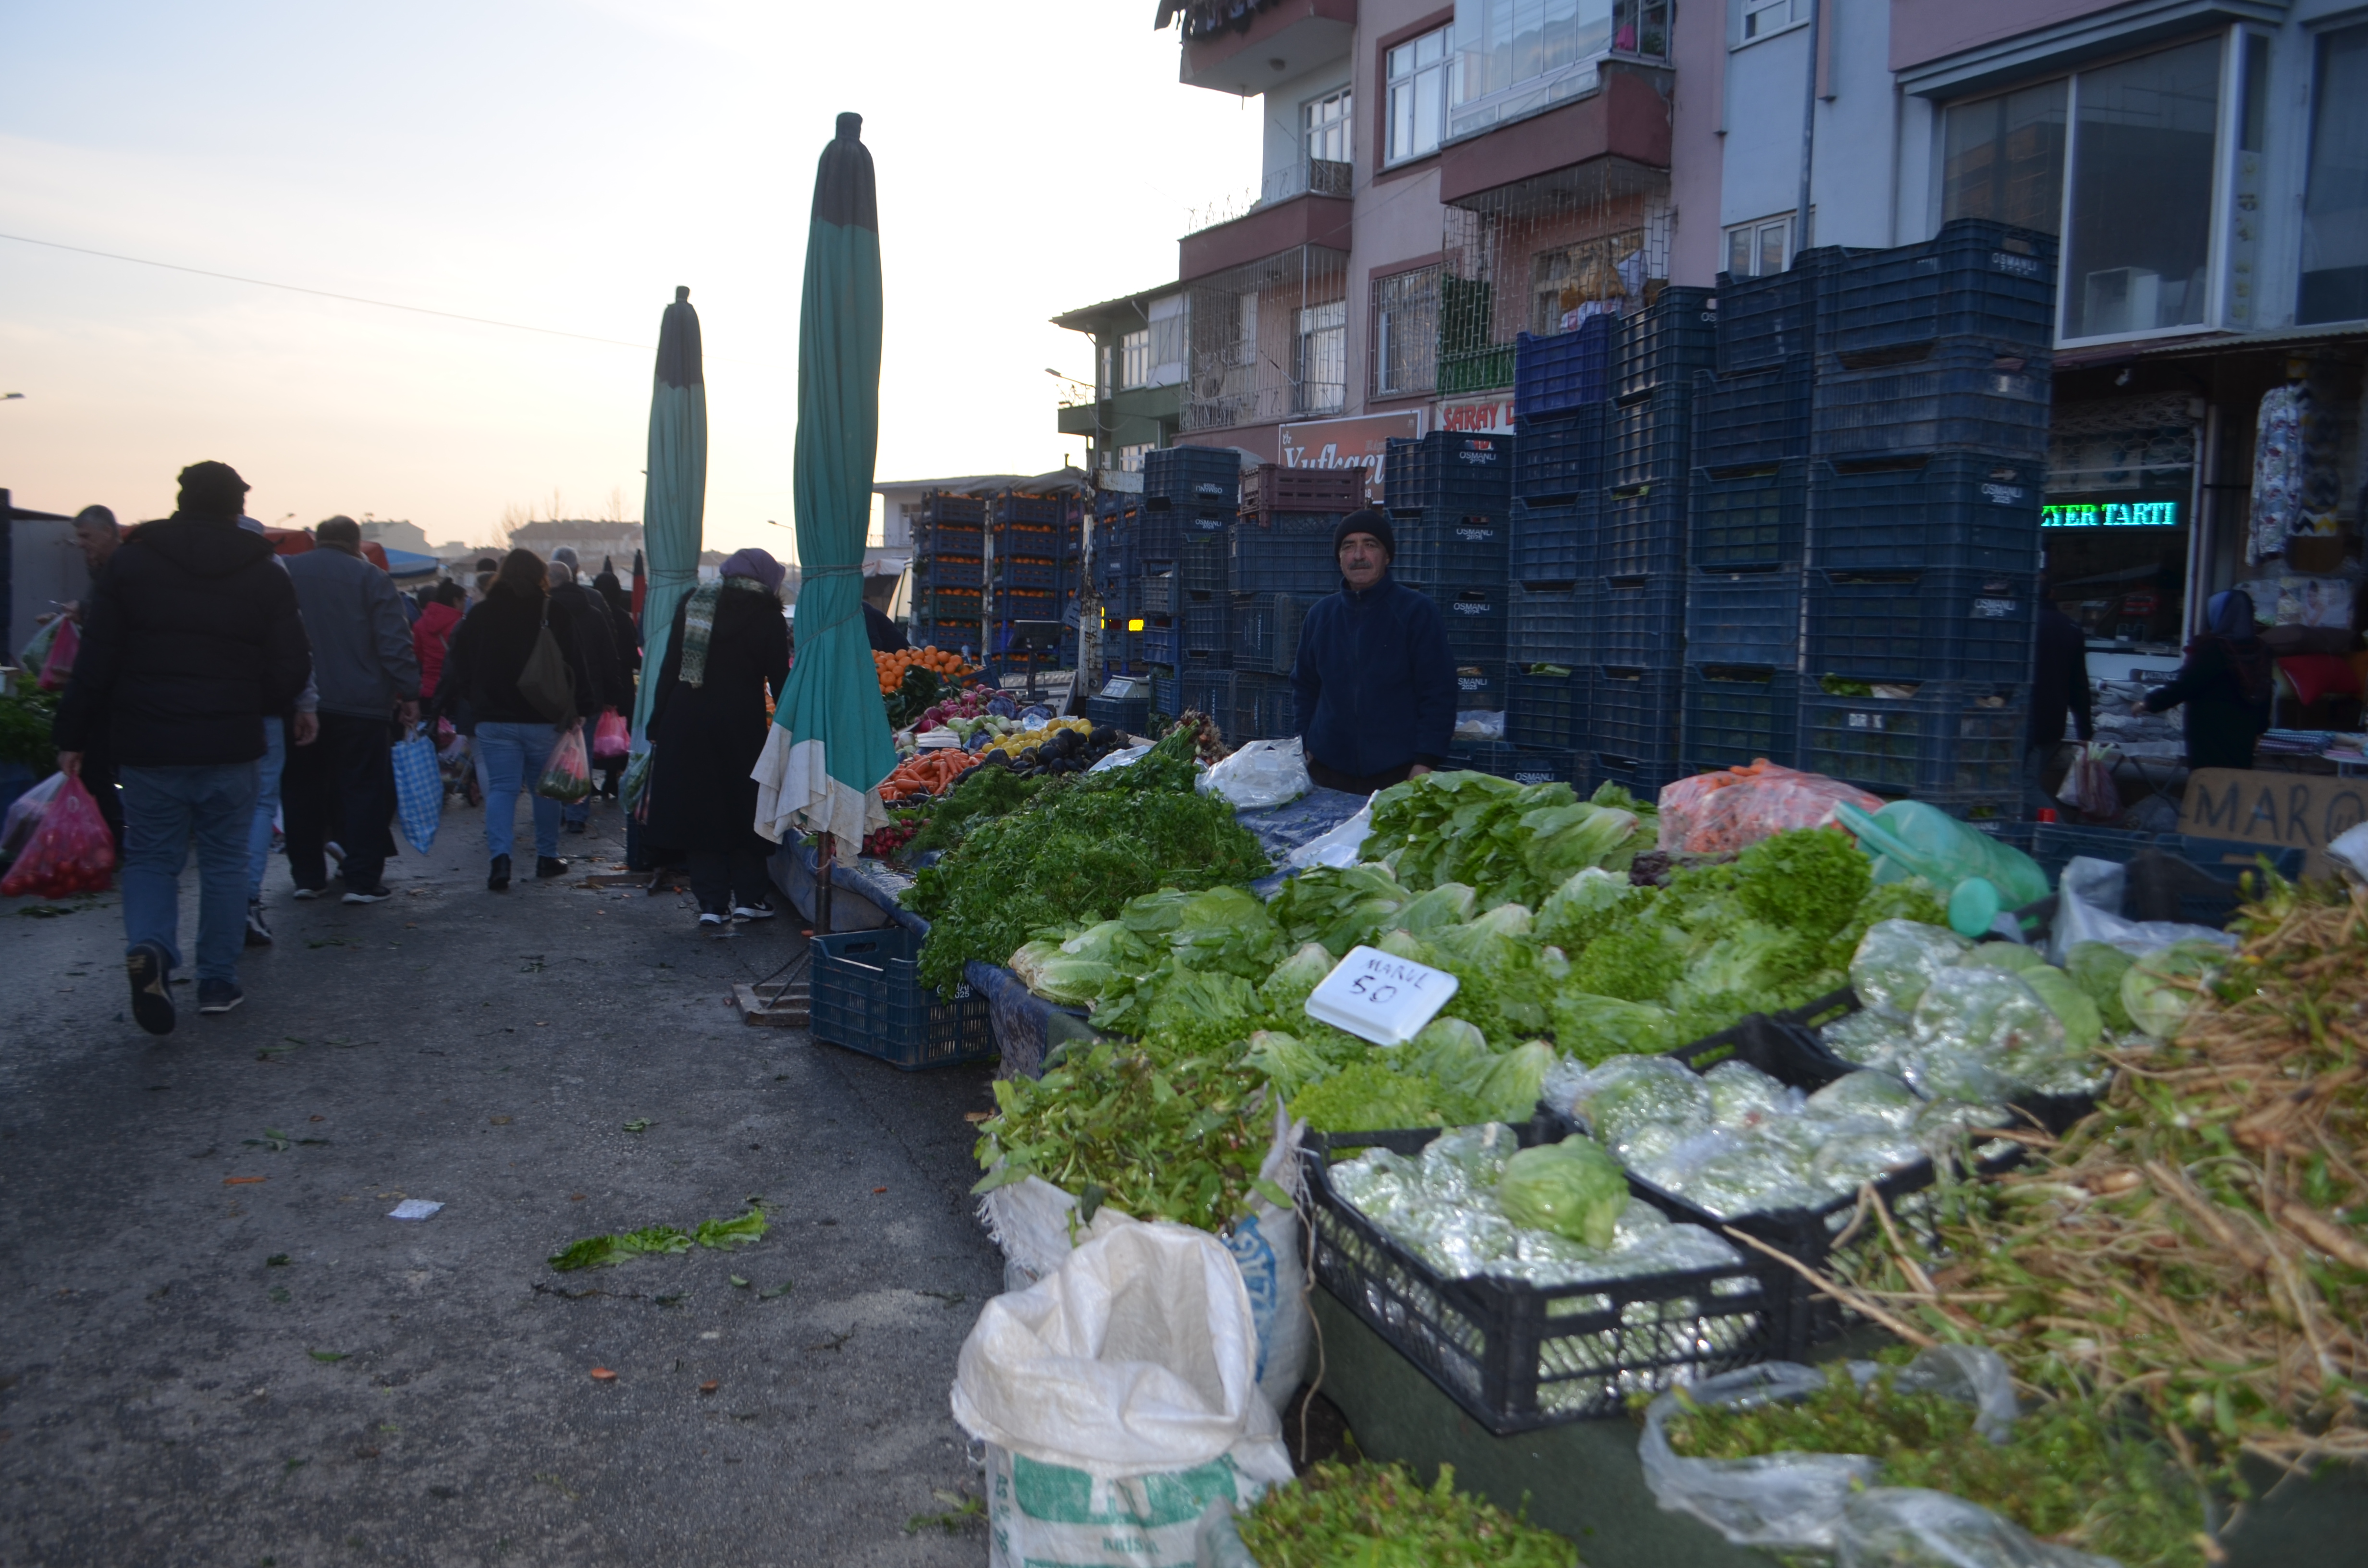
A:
(958, 509)
(1941, 625)
(1671, 339)
(1736, 714)
(1643, 777)
(1749, 517)
(1629, 712)
(866, 998)
(1449, 471)
(1443, 547)
(1475, 619)
(1640, 530)
(1264, 709)
(1639, 620)
(1192, 478)
(1129, 715)
(1522, 765)
(1767, 321)
(1205, 564)
(1161, 641)
(1269, 561)
(1745, 618)
(1480, 684)
(1968, 509)
(1160, 593)
(1549, 625)
(1650, 440)
(1546, 710)
(1166, 695)
(1949, 739)
(1018, 572)
(1964, 392)
(1977, 278)
(1561, 456)
(949, 572)
(1266, 631)
(1209, 624)
(1208, 692)
(1568, 370)
(1555, 543)
(1160, 535)
(1753, 418)
(1516, 1356)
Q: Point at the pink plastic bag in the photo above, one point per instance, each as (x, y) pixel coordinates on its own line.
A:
(58, 668)
(610, 742)
(2089, 787)
(70, 851)
(1722, 812)
(567, 776)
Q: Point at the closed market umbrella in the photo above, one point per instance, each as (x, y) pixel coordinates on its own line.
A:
(674, 499)
(829, 747)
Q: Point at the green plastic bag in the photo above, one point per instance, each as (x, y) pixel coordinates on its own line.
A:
(1982, 876)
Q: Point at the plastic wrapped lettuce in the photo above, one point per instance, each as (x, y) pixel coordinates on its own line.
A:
(1993, 1017)
(1639, 1106)
(1572, 1189)
(1596, 1029)
(1741, 1096)
(1897, 960)
(2162, 987)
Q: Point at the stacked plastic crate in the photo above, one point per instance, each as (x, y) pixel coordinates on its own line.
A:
(1037, 550)
(1928, 446)
(1557, 498)
(1278, 563)
(949, 572)
(1182, 538)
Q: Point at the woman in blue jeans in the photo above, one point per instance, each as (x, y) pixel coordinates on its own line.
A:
(513, 738)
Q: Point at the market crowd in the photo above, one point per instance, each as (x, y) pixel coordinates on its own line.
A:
(236, 687)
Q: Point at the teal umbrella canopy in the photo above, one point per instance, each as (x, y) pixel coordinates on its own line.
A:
(673, 497)
(830, 745)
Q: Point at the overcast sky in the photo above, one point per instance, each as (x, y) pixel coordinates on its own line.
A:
(560, 164)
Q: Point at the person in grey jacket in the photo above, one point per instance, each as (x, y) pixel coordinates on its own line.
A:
(368, 677)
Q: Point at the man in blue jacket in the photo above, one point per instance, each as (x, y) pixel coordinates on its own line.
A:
(1376, 685)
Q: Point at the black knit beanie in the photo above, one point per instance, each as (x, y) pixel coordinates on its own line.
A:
(1367, 520)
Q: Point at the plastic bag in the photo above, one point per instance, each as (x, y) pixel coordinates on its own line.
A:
(610, 740)
(1339, 848)
(2087, 909)
(1262, 773)
(1907, 1527)
(418, 789)
(24, 815)
(1118, 1401)
(57, 668)
(567, 775)
(69, 852)
(1125, 756)
(1716, 813)
(1983, 875)
(34, 653)
(1795, 1501)
(2089, 787)
(1480, 725)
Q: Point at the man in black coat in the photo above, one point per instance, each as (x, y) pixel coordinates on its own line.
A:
(1374, 679)
(191, 636)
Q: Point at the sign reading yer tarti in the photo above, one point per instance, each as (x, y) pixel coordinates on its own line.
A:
(1381, 997)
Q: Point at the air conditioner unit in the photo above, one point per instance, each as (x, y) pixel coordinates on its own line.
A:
(2121, 299)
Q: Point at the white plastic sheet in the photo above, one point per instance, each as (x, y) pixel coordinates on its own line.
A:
(2088, 909)
(1262, 773)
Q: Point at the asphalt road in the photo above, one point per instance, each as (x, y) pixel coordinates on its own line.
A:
(216, 1347)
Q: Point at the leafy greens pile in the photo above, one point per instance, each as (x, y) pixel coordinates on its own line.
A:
(1374, 1516)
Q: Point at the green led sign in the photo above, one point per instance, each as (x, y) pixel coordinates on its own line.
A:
(2111, 515)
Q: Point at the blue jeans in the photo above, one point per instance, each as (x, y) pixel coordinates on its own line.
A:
(162, 808)
(267, 768)
(509, 759)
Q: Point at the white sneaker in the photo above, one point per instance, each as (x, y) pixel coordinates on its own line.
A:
(713, 922)
(753, 912)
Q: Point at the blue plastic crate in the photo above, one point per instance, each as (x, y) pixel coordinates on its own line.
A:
(1639, 620)
(1745, 618)
(1160, 535)
(954, 636)
(1161, 642)
(1976, 279)
(1264, 709)
(1752, 517)
(1442, 547)
(1766, 321)
(1737, 714)
(1166, 695)
(1665, 343)
(1160, 593)
(1641, 530)
(965, 605)
(1752, 419)
(1028, 604)
(1951, 740)
(1268, 561)
(1964, 392)
(1474, 615)
(1019, 572)
(1206, 562)
(1013, 507)
(1130, 715)
(865, 997)
(941, 540)
(1630, 709)
(1448, 470)
(1561, 456)
(1555, 543)
(1650, 440)
(949, 572)
(1522, 765)
(1266, 631)
(1208, 692)
(1549, 626)
(1546, 711)
(957, 509)
(1566, 370)
(1949, 625)
(1968, 509)
(1480, 684)
(1209, 625)
(1193, 478)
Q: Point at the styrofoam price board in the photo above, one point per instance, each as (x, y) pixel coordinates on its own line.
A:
(1381, 997)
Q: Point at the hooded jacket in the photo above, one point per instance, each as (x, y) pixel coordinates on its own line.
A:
(361, 642)
(478, 684)
(1375, 683)
(429, 636)
(191, 635)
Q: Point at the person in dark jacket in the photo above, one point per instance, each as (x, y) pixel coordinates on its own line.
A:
(1375, 684)
(887, 637)
(2059, 690)
(2225, 684)
(512, 737)
(191, 636)
(600, 658)
(628, 638)
(707, 729)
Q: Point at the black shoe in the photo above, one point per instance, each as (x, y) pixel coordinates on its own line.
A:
(753, 912)
(576, 826)
(549, 866)
(309, 893)
(151, 999)
(219, 996)
(498, 879)
(258, 934)
(368, 895)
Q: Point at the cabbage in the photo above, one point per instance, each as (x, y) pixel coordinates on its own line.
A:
(1340, 907)
(1897, 959)
(1110, 942)
(2162, 986)
(1578, 912)
(1596, 1029)
(1572, 1189)
(1071, 982)
(1029, 960)
(2097, 968)
(1295, 979)
(1565, 838)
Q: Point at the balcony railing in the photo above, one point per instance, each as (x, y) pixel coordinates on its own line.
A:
(1317, 177)
(1513, 60)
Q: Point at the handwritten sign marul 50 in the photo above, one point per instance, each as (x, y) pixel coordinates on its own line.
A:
(1381, 997)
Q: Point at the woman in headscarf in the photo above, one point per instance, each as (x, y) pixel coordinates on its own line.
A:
(2224, 684)
(707, 728)
(629, 661)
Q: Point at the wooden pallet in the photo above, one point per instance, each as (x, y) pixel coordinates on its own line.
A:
(784, 1007)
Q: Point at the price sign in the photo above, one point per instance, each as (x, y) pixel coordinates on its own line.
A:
(1379, 997)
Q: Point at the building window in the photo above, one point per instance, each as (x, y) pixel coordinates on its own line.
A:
(2003, 158)
(2335, 208)
(1516, 58)
(1134, 359)
(1759, 249)
(1405, 332)
(1763, 17)
(2140, 223)
(1328, 121)
(1130, 458)
(1322, 367)
(1166, 342)
(1418, 96)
